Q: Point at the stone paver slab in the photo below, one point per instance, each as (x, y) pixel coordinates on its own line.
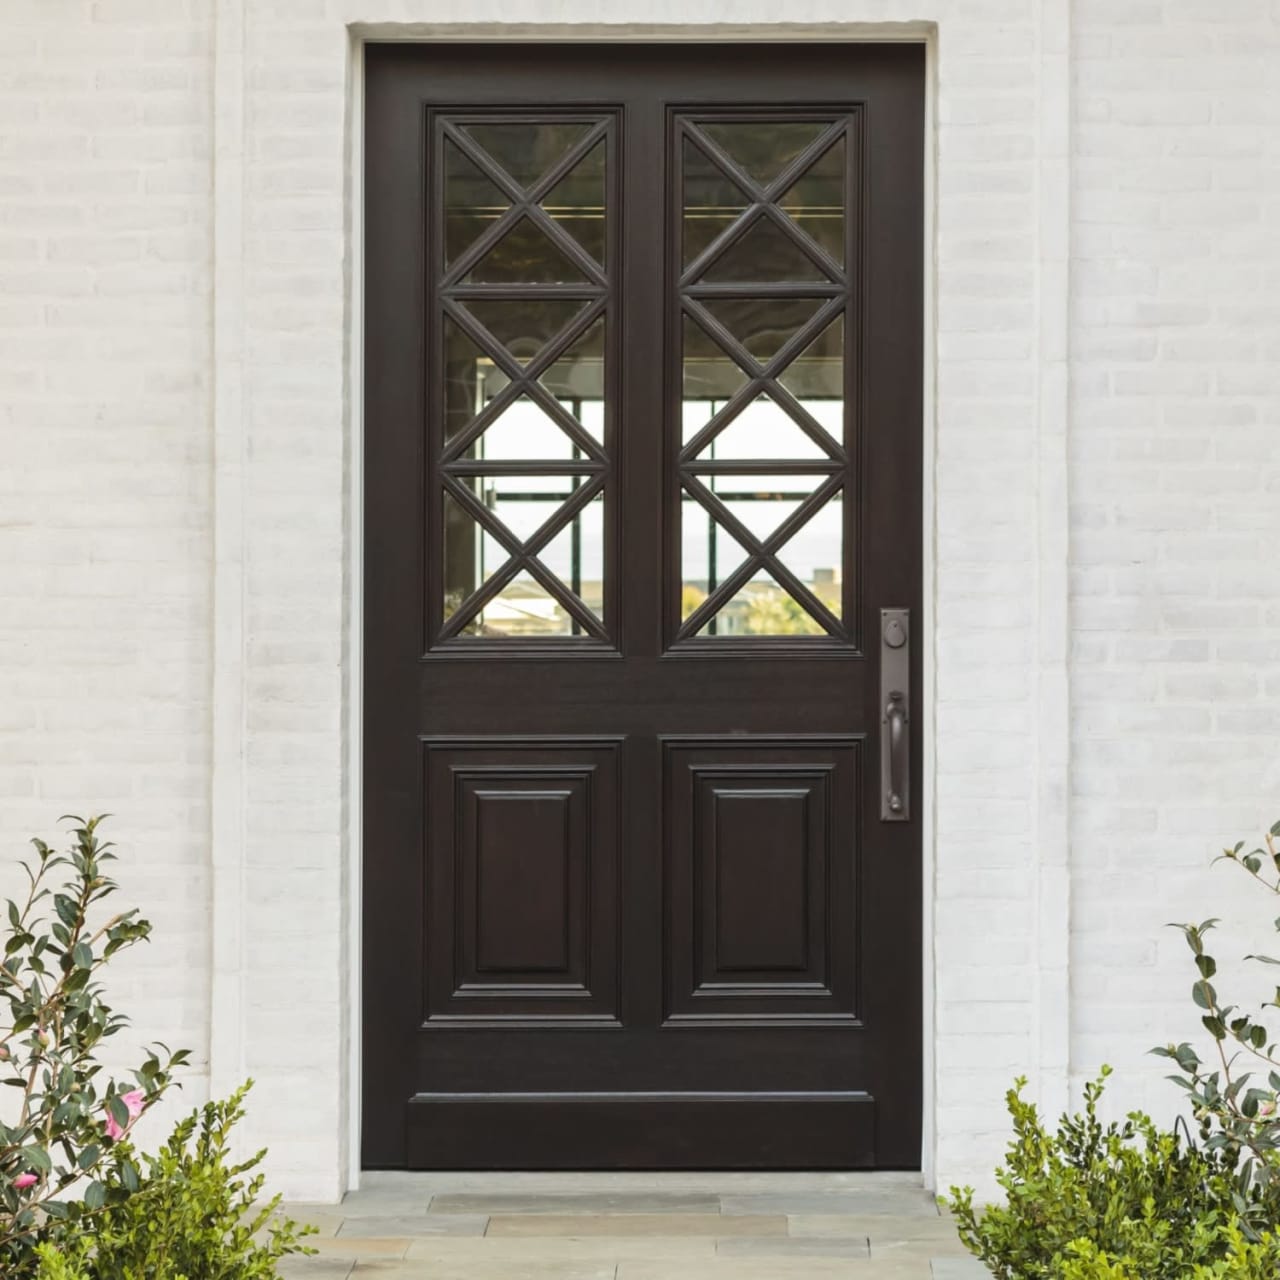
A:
(771, 1269)
(794, 1247)
(634, 1224)
(417, 1270)
(351, 1247)
(316, 1268)
(579, 1202)
(905, 1203)
(966, 1268)
(881, 1227)
(531, 1249)
(424, 1224)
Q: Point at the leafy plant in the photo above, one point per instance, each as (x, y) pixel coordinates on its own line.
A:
(1125, 1196)
(193, 1216)
(67, 1119)
(1235, 1102)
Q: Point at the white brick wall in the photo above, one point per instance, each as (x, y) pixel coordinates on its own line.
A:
(106, 464)
(1175, 476)
(178, 451)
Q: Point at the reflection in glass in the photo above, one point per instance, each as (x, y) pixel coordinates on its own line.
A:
(763, 325)
(471, 202)
(761, 606)
(524, 607)
(761, 420)
(816, 201)
(576, 202)
(525, 255)
(762, 149)
(525, 325)
(711, 202)
(763, 254)
(576, 379)
(527, 149)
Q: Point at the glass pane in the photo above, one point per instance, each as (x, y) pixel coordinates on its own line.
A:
(525, 255)
(526, 151)
(711, 202)
(710, 379)
(763, 148)
(764, 254)
(576, 555)
(471, 202)
(763, 325)
(576, 379)
(812, 553)
(762, 503)
(468, 379)
(762, 430)
(816, 201)
(576, 202)
(762, 608)
(708, 552)
(816, 378)
(523, 431)
(525, 325)
(524, 607)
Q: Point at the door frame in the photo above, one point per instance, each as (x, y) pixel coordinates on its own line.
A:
(353, 675)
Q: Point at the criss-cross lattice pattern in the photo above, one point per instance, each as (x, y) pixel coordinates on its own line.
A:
(523, 294)
(763, 300)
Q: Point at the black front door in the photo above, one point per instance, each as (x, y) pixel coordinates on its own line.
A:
(643, 469)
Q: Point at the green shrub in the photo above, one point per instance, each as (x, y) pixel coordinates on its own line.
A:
(1125, 1201)
(192, 1216)
(64, 1118)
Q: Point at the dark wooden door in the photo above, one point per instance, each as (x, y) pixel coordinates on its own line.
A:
(642, 467)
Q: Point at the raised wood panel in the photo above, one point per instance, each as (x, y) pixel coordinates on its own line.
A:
(762, 874)
(521, 852)
(526, 871)
(753, 840)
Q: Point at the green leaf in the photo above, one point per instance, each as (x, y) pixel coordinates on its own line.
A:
(1204, 995)
(1207, 966)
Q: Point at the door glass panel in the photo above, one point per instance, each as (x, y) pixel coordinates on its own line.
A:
(711, 201)
(762, 608)
(811, 553)
(524, 606)
(576, 202)
(710, 378)
(468, 378)
(525, 255)
(472, 202)
(816, 202)
(763, 325)
(766, 377)
(761, 430)
(524, 431)
(505, 419)
(576, 380)
(763, 254)
(709, 554)
(526, 150)
(763, 149)
(524, 326)
(816, 378)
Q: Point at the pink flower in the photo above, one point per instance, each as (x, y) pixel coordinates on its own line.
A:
(134, 1103)
(25, 1180)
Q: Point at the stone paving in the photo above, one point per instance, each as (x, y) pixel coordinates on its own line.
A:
(633, 1226)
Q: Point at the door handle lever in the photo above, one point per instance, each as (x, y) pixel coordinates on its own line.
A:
(895, 715)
